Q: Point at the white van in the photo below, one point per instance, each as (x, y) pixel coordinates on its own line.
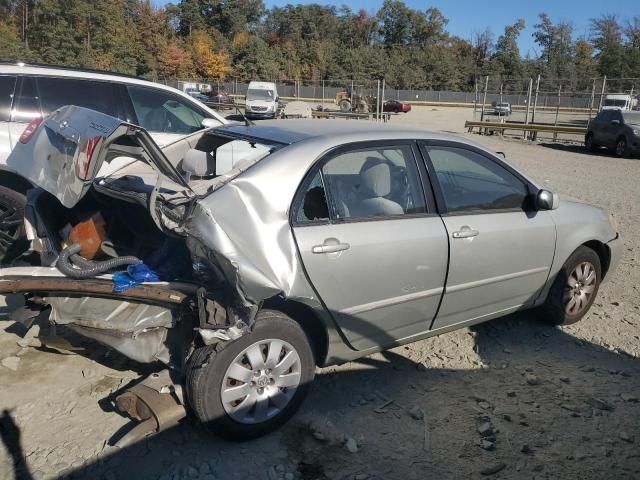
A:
(622, 101)
(261, 100)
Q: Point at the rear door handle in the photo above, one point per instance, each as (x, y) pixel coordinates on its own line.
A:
(465, 232)
(330, 245)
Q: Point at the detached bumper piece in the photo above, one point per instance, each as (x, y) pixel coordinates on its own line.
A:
(157, 403)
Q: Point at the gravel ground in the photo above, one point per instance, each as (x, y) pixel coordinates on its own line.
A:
(508, 399)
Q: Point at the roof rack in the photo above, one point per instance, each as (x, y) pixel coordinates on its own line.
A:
(67, 67)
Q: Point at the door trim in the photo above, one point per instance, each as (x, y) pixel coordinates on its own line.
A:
(389, 302)
(499, 278)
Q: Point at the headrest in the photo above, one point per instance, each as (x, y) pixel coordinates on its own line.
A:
(198, 163)
(375, 175)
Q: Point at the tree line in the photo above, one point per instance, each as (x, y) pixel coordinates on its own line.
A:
(218, 39)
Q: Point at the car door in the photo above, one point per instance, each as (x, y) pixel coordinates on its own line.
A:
(7, 86)
(501, 249)
(373, 248)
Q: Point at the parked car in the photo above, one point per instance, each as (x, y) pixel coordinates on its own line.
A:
(28, 92)
(395, 106)
(220, 97)
(197, 94)
(502, 109)
(324, 241)
(618, 130)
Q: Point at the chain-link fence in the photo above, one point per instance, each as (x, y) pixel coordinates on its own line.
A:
(530, 100)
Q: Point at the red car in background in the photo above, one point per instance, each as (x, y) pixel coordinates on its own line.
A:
(396, 106)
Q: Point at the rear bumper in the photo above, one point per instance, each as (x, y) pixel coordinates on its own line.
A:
(615, 252)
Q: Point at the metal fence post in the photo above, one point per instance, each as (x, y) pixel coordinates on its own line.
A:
(384, 84)
(526, 118)
(484, 97)
(323, 95)
(593, 96)
(604, 84)
(555, 135)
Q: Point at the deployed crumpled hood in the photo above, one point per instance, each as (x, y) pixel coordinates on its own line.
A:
(66, 152)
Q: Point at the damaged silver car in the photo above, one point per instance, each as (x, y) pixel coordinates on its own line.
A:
(283, 246)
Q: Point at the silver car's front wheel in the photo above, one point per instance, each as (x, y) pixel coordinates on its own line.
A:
(248, 387)
(581, 285)
(261, 381)
(574, 289)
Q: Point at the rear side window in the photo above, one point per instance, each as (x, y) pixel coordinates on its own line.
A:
(362, 184)
(57, 92)
(26, 105)
(159, 111)
(471, 182)
(7, 86)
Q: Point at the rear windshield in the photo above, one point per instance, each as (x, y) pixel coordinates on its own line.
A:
(233, 155)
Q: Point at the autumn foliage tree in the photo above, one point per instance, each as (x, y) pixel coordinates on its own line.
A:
(207, 62)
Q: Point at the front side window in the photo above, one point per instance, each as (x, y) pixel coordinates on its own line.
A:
(58, 92)
(366, 183)
(470, 181)
(159, 111)
(7, 85)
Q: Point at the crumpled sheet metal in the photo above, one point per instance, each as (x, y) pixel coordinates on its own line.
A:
(109, 314)
(245, 224)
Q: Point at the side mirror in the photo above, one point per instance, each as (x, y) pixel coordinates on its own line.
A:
(546, 200)
(210, 123)
(615, 122)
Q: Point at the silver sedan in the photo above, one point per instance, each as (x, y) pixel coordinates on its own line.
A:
(289, 245)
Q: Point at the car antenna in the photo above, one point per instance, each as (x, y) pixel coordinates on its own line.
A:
(247, 122)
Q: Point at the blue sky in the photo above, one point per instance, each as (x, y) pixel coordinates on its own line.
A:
(469, 16)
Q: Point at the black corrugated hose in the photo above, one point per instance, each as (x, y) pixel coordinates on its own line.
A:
(75, 266)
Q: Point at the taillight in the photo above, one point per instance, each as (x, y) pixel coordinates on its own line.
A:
(84, 161)
(30, 130)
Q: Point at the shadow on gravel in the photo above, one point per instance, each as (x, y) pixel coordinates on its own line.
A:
(573, 148)
(541, 402)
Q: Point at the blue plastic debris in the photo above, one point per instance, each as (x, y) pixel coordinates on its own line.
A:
(135, 275)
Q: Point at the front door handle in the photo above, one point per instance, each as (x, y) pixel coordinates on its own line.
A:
(330, 245)
(465, 232)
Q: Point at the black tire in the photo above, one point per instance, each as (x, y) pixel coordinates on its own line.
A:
(622, 148)
(588, 143)
(12, 239)
(555, 307)
(208, 366)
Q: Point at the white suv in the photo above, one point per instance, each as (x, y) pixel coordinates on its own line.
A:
(28, 92)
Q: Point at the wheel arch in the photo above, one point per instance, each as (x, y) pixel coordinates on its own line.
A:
(603, 252)
(312, 325)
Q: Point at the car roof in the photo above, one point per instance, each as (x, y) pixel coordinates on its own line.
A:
(88, 74)
(292, 131)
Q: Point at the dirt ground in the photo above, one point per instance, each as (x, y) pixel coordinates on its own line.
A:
(511, 398)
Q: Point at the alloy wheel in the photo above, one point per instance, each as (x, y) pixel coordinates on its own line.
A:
(261, 381)
(579, 289)
(621, 147)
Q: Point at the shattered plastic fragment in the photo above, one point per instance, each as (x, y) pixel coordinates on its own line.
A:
(135, 275)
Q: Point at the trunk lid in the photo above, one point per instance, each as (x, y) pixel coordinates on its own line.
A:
(65, 153)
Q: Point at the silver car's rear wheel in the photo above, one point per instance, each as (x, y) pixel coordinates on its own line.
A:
(248, 387)
(261, 381)
(581, 285)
